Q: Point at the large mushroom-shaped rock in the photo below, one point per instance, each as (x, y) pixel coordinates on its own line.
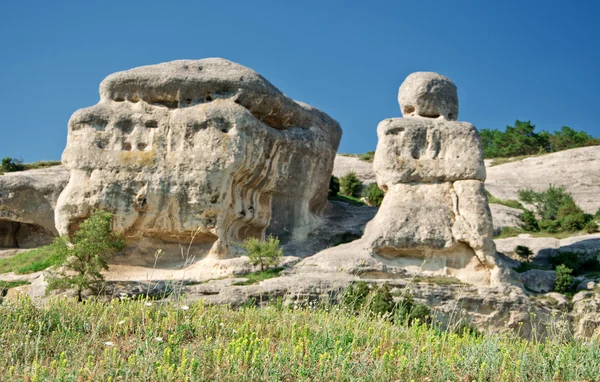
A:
(435, 214)
(27, 202)
(205, 147)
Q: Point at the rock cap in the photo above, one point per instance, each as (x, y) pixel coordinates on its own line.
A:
(428, 95)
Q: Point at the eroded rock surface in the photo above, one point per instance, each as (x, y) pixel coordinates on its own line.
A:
(435, 213)
(205, 146)
(27, 202)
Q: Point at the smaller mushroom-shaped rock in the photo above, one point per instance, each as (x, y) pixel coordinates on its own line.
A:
(429, 95)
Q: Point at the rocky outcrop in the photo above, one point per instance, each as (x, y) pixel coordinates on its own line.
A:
(575, 169)
(27, 202)
(435, 216)
(540, 281)
(205, 147)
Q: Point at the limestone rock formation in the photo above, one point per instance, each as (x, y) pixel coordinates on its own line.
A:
(578, 170)
(206, 146)
(27, 202)
(435, 215)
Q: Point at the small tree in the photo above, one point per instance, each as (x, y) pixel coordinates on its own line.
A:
(11, 164)
(523, 252)
(92, 245)
(563, 279)
(373, 194)
(528, 221)
(350, 184)
(334, 185)
(266, 253)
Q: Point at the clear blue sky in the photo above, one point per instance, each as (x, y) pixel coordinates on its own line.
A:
(528, 60)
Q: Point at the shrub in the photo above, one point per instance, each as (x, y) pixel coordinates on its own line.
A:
(11, 165)
(373, 194)
(591, 227)
(356, 295)
(563, 279)
(382, 301)
(92, 245)
(523, 251)
(528, 221)
(557, 209)
(547, 203)
(265, 253)
(334, 185)
(350, 184)
(579, 262)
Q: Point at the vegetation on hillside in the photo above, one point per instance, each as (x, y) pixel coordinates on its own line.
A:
(373, 194)
(555, 210)
(350, 184)
(141, 340)
(521, 139)
(12, 165)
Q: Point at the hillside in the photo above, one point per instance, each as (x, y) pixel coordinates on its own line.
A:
(578, 170)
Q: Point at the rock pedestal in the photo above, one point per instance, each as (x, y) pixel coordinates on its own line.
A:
(435, 215)
(206, 146)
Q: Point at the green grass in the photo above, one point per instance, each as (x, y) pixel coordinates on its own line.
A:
(505, 202)
(256, 277)
(42, 164)
(31, 261)
(4, 285)
(348, 199)
(131, 341)
(499, 161)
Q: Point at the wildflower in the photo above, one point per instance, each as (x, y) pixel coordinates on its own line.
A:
(158, 339)
(148, 303)
(185, 307)
(221, 324)
(121, 322)
(109, 343)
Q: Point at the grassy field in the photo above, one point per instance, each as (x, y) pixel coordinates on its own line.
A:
(145, 341)
(31, 261)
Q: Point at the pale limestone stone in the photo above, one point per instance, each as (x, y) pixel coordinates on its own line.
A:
(427, 150)
(205, 146)
(430, 95)
(27, 202)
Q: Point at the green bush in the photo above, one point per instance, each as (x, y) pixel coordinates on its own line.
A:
(356, 295)
(92, 245)
(580, 262)
(265, 253)
(379, 301)
(523, 251)
(334, 185)
(368, 156)
(11, 165)
(563, 279)
(591, 227)
(557, 210)
(529, 222)
(373, 194)
(350, 184)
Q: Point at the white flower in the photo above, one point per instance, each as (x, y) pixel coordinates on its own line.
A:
(109, 343)
(221, 324)
(148, 303)
(185, 307)
(121, 322)
(158, 339)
